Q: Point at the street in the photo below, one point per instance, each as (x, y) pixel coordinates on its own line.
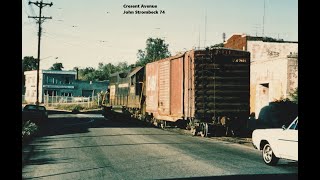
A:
(88, 146)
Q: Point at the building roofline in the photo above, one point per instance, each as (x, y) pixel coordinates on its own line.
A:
(70, 72)
(59, 72)
(259, 38)
(235, 34)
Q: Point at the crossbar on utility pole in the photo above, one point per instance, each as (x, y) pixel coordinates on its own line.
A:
(40, 19)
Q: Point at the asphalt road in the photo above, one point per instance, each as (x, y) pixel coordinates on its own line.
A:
(88, 146)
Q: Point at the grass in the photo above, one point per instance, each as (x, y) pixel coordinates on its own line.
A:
(76, 107)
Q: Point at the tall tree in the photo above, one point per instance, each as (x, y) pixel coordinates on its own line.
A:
(156, 49)
(57, 66)
(29, 63)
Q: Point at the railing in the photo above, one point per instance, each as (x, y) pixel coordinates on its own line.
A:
(67, 100)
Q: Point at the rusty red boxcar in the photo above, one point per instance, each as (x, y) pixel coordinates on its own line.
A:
(201, 87)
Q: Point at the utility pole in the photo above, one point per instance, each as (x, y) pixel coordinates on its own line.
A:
(40, 19)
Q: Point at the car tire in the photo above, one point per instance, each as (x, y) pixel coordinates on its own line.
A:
(268, 156)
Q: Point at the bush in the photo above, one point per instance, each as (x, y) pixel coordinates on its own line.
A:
(76, 107)
(70, 107)
(28, 129)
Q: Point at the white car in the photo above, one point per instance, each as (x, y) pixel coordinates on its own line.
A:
(277, 143)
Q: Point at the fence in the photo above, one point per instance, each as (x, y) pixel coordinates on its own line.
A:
(67, 100)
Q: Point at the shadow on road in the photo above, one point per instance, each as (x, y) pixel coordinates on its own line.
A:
(43, 149)
(71, 123)
(250, 177)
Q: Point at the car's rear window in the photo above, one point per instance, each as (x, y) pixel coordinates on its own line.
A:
(41, 108)
(30, 107)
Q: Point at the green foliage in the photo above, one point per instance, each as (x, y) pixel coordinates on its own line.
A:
(218, 45)
(155, 49)
(57, 67)
(70, 107)
(76, 107)
(294, 96)
(28, 128)
(103, 71)
(29, 63)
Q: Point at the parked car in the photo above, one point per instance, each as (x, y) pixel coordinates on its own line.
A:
(277, 143)
(34, 113)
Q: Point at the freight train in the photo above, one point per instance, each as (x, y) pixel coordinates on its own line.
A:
(206, 91)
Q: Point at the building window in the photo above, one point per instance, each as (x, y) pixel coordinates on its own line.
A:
(49, 80)
(67, 81)
(66, 94)
(52, 92)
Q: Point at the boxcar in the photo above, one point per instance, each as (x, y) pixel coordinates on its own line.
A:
(206, 89)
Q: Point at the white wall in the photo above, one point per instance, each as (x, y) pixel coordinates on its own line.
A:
(270, 65)
(261, 51)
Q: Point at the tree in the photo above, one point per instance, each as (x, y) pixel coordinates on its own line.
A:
(218, 45)
(86, 74)
(103, 71)
(155, 49)
(294, 96)
(29, 63)
(57, 66)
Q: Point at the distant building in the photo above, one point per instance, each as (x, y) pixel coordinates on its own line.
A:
(59, 83)
(274, 68)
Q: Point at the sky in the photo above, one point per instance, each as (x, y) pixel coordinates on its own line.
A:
(83, 33)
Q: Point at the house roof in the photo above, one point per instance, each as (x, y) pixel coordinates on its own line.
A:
(137, 69)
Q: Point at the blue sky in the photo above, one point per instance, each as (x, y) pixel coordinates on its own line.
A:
(85, 32)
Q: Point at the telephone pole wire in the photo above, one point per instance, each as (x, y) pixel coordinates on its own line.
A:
(40, 19)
